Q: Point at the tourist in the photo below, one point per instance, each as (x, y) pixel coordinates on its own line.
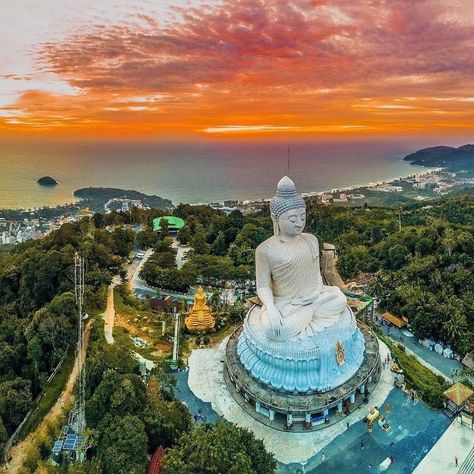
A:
(347, 425)
(362, 445)
(456, 461)
(392, 459)
(323, 457)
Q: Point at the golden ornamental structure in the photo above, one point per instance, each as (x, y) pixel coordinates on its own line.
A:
(340, 353)
(200, 318)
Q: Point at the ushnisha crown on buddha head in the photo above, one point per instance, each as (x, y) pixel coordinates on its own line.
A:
(285, 199)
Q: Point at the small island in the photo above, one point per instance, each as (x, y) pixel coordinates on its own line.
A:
(47, 181)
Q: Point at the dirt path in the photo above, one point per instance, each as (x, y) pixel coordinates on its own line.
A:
(18, 451)
(109, 315)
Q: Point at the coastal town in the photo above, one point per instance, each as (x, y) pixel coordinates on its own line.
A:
(17, 226)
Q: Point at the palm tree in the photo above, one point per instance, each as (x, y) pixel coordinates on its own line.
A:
(455, 326)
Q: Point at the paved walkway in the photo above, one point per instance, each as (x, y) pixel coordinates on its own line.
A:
(447, 367)
(194, 404)
(181, 251)
(458, 440)
(206, 381)
(414, 430)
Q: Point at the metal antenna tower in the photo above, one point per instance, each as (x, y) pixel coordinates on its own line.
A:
(288, 163)
(81, 376)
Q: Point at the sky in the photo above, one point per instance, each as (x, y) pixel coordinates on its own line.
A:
(264, 69)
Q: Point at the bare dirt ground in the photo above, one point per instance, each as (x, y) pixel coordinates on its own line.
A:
(18, 452)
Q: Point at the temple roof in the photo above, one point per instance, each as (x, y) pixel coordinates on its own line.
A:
(174, 223)
(458, 393)
(395, 320)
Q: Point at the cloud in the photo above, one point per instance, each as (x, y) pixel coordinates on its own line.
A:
(255, 62)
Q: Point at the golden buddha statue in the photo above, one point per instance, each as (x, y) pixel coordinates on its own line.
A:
(200, 317)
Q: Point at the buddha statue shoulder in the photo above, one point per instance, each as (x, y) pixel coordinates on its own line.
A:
(296, 303)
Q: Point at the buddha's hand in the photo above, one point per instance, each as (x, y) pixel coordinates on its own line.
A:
(276, 320)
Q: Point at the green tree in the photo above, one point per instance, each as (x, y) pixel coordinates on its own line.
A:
(164, 228)
(122, 241)
(219, 448)
(15, 401)
(242, 254)
(147, 238)
(3, 439)
(168, 278)
(122, 445)
(184, 235)
(252, 235)
(219, 247)
(164, 259)
(397, 256)
(119, 394)
(98, 219)
(103, 358)
(165, 422)
(199, 244)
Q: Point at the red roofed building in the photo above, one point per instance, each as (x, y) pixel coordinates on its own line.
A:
(156, 460)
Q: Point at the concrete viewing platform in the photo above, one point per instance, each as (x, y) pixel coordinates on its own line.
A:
(301, 412)
(206, 383)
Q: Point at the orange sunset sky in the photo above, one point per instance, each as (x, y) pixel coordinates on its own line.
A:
(236, 68)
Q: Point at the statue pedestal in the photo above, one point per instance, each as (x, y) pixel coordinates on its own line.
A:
(309, 410)
(318, 363)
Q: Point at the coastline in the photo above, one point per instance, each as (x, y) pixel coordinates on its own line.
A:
(250, 201)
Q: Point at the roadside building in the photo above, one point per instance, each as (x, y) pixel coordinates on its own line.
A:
(457, 398)
(468, 360)
(395, 320)
(174, 223)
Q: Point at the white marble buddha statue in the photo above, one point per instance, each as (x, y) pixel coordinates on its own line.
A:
(304, 337)
(296, 303)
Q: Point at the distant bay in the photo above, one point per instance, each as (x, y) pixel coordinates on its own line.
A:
(193, 173)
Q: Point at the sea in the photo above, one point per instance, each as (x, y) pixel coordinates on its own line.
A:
(194, 172)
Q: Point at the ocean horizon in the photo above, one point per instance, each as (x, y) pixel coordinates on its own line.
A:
(194, 173)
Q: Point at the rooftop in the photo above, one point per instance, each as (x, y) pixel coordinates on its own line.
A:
(174, 223)
(458, 393)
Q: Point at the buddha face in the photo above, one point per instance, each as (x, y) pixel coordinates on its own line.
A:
(291, 223)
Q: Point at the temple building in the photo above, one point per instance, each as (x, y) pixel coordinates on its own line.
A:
(174, 223)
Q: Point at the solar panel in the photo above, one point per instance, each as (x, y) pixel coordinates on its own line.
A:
(71, 441)
(57, 447)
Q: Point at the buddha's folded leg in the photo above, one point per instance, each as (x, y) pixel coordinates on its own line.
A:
(294, 320)
(325, 314)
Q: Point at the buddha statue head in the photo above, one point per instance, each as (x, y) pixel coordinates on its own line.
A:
(287, 209)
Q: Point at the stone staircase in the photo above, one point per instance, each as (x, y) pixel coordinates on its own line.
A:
(467, 467)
